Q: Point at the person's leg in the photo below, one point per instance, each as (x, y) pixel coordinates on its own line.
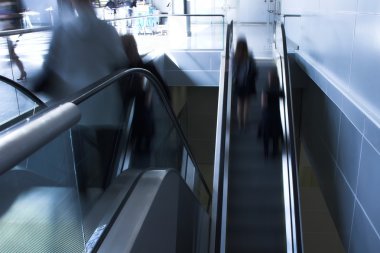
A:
(275, 146)
(245, 111)
(14, 57)
(266, 144)
(239, 112)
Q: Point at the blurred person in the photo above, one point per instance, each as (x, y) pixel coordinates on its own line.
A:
(111, 5)
(83, 50)
(10, 19)
(131, 50)
(270, 125)
(244, 79)
(142, 92)
(131, 5)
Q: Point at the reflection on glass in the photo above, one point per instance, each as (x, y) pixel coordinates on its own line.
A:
(39, 208)
(50, 202)
(13, 103)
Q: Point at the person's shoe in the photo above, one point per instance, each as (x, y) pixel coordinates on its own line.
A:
(22, 77)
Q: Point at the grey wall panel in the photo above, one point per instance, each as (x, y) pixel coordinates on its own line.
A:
(368, 186)
(317, 135)
(369, 6)
(363, 236)
(372, 133)
(338, 5)
(339, 49)
(332, 91)
(192, 68)
(194, 60)
(349, 151)
(192, 78)
(342, 208)
(309, 6)
(327, 39)
(353, 113)
(337, 40)
(331, 126)
(366, 60)
(309, 46)
(256, 13)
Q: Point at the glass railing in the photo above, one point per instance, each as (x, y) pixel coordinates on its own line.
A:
(174, 32)
(30, 46)
(15, 101)
(134, 113)
(220, 180)
(50, 200)
(290, 162)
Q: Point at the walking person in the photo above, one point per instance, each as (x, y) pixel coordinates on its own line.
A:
(10, 19)
(244, 79)
(270, 125)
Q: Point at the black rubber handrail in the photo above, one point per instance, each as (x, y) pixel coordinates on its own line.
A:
(25, 30)
(291, 16)
(108, 80)
(297, 243)
(219, 200)
(23, 90)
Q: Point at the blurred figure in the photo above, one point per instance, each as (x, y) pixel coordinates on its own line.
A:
(244, 79)
(270, 125)
(131, 5)
(83, 50)
(131, 50)
(10, 19)
(138, 87)
(141, 90)
(14, 58)
(111, 5)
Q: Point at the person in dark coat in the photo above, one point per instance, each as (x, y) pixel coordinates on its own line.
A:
(244, 79)
(142, 92)
(270, 125)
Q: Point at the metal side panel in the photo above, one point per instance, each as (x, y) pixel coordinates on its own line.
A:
(161, 215)
(105, 207)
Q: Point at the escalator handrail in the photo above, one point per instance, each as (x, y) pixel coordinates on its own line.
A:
(23, 90)
(23, 139)
(218, 213)
(108, 80)
(25, 30)
(296, 231)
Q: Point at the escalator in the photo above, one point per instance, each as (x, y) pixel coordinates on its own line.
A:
(256, 202)
(73, 178)
(255, 221)
(82, 183)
